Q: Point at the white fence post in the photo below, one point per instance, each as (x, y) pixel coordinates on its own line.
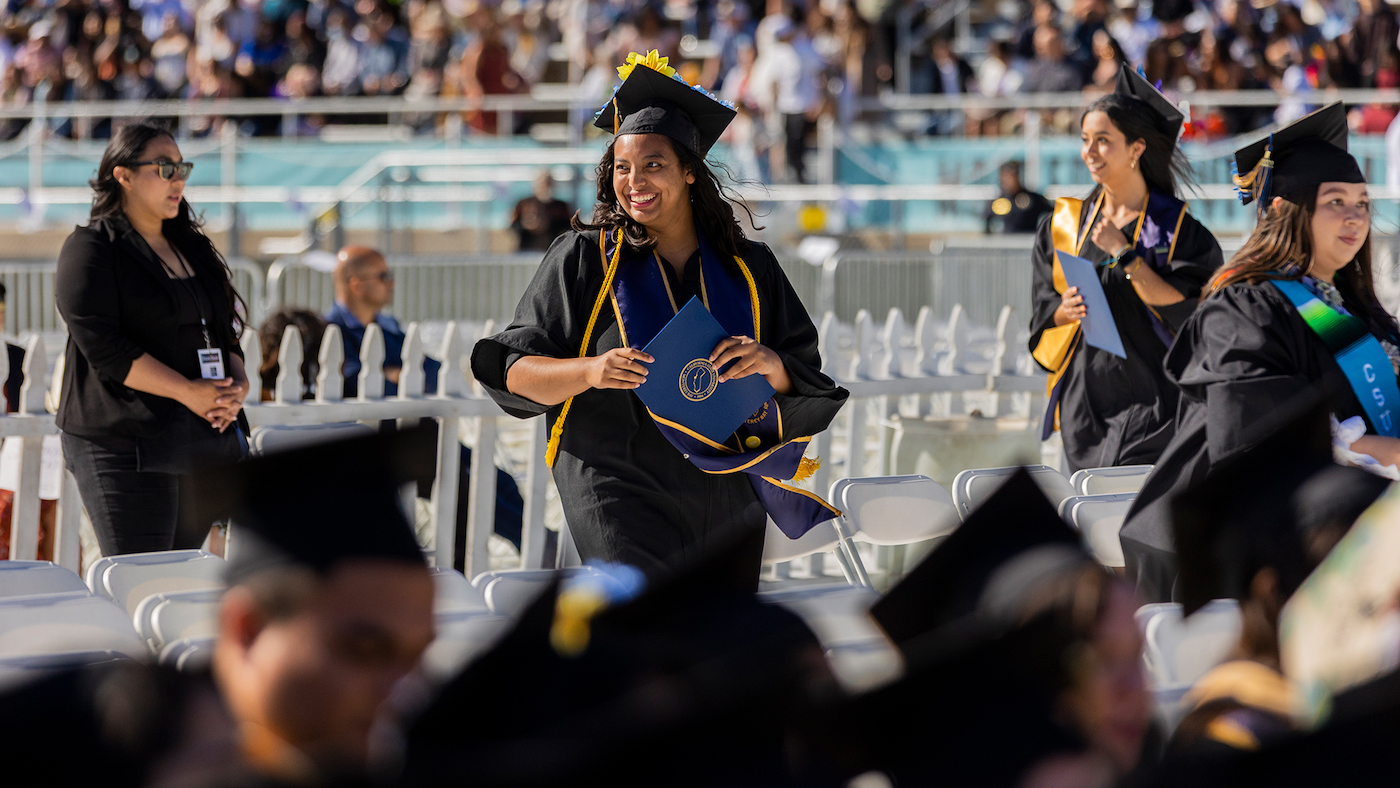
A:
(532, 536)
(289, 357)
(372, 364)
(481, 498)
(24, 518)
(330, 358)
(67, 547)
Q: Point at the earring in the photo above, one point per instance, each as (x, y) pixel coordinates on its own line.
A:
(1135, 164)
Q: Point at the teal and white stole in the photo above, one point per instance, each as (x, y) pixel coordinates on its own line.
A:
(643, 302)
(1358, 353)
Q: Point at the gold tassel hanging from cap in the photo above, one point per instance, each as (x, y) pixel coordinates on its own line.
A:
(806, 468)
(617, 116)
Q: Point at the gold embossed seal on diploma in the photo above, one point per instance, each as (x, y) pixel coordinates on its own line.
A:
(698, 380)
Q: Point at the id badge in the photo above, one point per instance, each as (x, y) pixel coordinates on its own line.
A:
(211, 363)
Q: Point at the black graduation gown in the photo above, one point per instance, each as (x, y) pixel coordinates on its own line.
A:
(1245, 354)
(627, 494)
(1117, 411)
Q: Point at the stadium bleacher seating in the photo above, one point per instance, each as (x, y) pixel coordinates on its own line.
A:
(129, 579)
(972, 486)
(1103, 481)
(33, 578)
(1099, 518)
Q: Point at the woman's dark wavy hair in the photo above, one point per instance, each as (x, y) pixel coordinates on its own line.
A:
(713, 204)
(1164, 172)
(185, 231)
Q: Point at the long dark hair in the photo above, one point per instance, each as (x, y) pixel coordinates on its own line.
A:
(185, 231)
(1281, 247)
(1164, 172)
(712, 203)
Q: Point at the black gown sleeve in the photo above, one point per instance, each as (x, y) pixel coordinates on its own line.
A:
(1197, 257)
(788, 331)
(1044, 299)
(1244, 357)
(549, 320)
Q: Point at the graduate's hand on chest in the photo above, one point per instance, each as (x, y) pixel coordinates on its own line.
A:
(619, 368)
(1108, 237)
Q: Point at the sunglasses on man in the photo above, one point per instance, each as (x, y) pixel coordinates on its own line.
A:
(168, 169)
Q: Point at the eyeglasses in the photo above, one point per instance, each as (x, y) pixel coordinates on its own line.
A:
(167, 168)
(384, 276)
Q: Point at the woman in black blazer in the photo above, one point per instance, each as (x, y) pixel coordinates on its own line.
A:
(153, 381)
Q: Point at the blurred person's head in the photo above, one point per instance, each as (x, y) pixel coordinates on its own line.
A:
(544, 186)
(1009, 177)
(1106, 47)
(170, 25)
(744, 52)
(1084, 615)
(363, 281)
(312, 328)
(265, 32)
(92, 26)
(329, 605)
(941, 51)
(296, 25)
(1044, 12)
(1049, 43)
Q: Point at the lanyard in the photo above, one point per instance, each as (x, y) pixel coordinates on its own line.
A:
(190, 287)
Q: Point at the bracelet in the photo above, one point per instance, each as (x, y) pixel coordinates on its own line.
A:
(1128, 272)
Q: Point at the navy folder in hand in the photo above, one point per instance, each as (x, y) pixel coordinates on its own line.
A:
(683, 387)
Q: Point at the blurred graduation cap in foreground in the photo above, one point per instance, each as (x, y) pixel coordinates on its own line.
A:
(695, 682)
(317, 505)
(1012, 541)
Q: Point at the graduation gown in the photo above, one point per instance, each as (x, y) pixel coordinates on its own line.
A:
(1245, 354)
(627, 493)
(1116, 411)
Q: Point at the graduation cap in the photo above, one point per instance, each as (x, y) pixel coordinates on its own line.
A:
(1244, 516)
(653, 99)
(1309, 151)
(973, 568)
(695, 679)
(1131, 83)
(318, 505)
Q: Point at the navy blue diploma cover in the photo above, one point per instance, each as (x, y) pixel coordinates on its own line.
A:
(683, 387)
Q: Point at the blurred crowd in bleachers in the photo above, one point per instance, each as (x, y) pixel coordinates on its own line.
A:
(785, 62)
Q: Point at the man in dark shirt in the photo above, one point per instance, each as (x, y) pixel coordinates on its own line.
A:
(1018, 209)
(540, 218)
(364, 285)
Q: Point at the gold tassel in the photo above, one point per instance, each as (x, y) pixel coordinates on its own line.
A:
(617, 116)
(1250, 181)
(573, 612)
(806, 468)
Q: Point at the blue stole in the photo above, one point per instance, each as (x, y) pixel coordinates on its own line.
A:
(1367, 368)
(644, 304)
(1156, 241)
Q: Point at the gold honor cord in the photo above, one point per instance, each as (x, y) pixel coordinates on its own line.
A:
(552, 448)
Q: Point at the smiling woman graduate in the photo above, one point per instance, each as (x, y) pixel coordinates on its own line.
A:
(1153, 259)
(1295, 312)
(662, 233)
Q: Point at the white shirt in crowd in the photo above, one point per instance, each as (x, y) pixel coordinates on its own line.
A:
(792, 69)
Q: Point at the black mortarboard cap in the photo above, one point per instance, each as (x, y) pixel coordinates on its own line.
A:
(1306, 152)
(315, 506)
(1172, 10)
(1131, 83)
(1243, 516)
(949, 585)
(652, 102)
(695, 671)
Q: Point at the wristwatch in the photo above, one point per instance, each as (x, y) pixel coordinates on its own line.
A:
(1128, 253)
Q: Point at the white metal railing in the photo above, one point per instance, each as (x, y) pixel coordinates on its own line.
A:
(878, 366)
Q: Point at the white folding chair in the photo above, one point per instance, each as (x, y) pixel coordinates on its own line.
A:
(63, 623)
(1099, 518)
(1113, 479)
(36, 578)
(973, 486)
(461, 636)
(130, 578)
(282, 437)
(453, 593)
(176, 615)
(822, 538)
(509, 591)
(890, 510)
(1180, 651)
(188, 654)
